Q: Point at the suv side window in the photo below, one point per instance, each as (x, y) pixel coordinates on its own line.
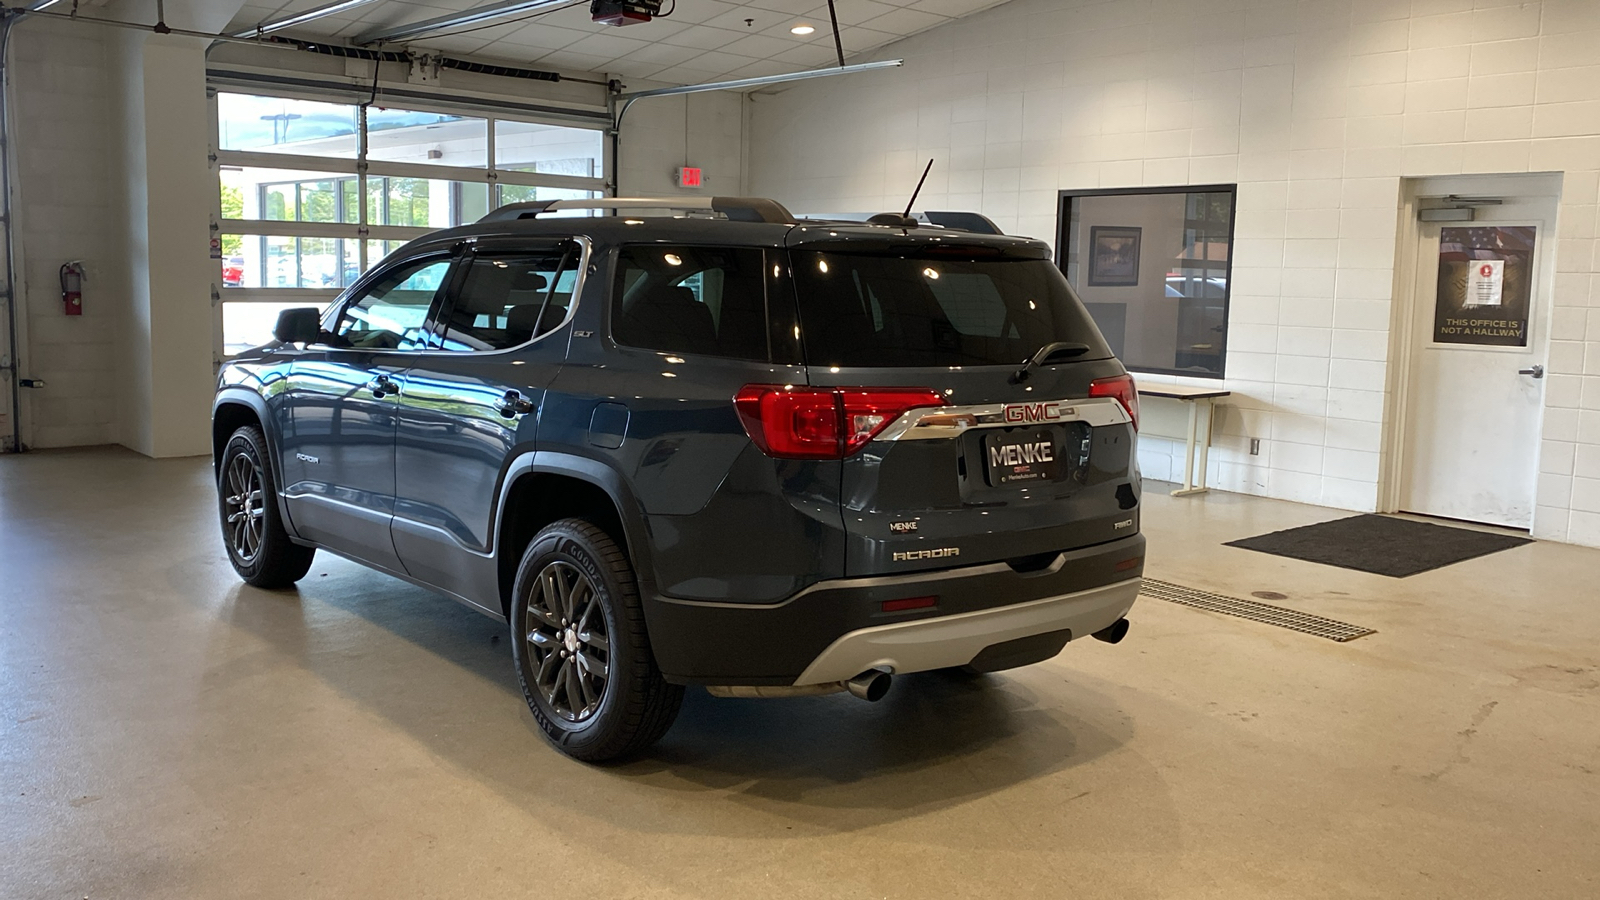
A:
(705, 300)
(393, 313)
(508, 299)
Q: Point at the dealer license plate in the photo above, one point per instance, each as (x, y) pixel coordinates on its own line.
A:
(1021, 457)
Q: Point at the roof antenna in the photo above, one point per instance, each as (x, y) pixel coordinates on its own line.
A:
(904, 220)
(920, 182)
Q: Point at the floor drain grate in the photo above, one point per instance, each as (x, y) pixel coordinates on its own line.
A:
(1292, 619)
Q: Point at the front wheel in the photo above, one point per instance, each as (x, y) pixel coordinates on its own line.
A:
(258, 546)
(579, 642)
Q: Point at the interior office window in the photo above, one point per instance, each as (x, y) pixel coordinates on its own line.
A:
(1152, 267)
(393, 313)
(706, 300)
(508, 300)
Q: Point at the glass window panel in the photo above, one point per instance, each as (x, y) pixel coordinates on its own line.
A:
(406, 201)
(246, 325)
(378, 251)
(425, 202)
(707, 300)
(548, 149)
(522, 193)
(278, 202)
(350, 200)
(319, 201)
(287, 195)
(393, 312)
(400, 135)
(862, 309)
(469, 202)
(279, 266)
(1152, 269)
(319, 262)
(507, 300)
(273, 261)
(281, 125)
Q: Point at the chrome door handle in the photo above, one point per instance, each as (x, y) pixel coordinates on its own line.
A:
(1535, 371)
(382, 384)
(513, 404)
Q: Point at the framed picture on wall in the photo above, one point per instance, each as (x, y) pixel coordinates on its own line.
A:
(1114, 255)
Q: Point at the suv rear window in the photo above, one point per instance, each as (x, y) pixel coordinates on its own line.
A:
(706, 300)
(864, 310)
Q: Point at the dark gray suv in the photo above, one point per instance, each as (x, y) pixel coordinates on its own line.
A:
(727, 448)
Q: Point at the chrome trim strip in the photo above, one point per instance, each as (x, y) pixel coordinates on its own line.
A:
(939, 422)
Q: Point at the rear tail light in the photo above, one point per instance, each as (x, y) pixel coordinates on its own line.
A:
(791, 422)
(1122, 389)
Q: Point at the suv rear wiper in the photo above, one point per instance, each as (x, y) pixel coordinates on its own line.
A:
(1047, 353)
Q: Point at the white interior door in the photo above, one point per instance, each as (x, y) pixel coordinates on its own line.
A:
(1473, 412)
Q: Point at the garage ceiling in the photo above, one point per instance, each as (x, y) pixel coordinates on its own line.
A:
(703, 40)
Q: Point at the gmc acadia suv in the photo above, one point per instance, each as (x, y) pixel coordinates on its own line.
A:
(767, 456)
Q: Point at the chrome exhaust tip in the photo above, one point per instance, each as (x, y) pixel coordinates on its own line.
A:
(870, 685)
(1113, 633)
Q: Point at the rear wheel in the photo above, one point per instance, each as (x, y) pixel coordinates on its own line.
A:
(579, 642)
(258, 546)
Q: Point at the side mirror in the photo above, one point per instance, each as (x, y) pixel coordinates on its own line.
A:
(301, 325)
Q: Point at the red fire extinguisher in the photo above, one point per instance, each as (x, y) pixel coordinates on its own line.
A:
(72, 287)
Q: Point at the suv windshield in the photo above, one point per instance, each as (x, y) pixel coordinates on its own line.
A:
(862, 310)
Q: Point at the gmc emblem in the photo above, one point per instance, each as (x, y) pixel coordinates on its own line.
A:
(1032, 412)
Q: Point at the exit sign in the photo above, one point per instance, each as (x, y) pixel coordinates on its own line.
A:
(689, 176)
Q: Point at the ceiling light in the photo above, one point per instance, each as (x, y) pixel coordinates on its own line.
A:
(310, 15)
(491, 12)
(802, 29)
(673, 259)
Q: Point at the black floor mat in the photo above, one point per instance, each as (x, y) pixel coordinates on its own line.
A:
(1380, 544)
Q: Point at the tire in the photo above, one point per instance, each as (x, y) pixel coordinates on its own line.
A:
(252, 526)
(583, 657)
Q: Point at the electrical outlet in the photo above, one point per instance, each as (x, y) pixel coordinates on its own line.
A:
(1255, 446)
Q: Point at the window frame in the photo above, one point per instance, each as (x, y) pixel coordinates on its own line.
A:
(365, 172)
(496, 247)
(1064, 201)
(334, 314)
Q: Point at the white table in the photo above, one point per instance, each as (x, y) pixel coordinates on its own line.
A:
(1199, 401)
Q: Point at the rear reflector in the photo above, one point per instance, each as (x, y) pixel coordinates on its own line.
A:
(790, 422)
(1127, 564)
(1123, 390)
(910, 603)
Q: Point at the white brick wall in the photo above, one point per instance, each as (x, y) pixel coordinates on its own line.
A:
(65, 205)
(1317, 111)
(660, 134)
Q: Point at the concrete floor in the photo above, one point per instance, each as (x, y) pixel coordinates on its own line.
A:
(167, 732)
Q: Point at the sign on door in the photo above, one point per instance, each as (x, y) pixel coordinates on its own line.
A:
(1485, 285)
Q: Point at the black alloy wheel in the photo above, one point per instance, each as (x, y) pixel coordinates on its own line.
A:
(579, 642)
(258, 545)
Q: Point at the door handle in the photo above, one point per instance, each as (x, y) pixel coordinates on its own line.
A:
(382, 384)
(513, 404)
(1535, 371)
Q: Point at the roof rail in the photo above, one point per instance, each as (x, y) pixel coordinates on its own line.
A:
(970, 222)
(737, 209)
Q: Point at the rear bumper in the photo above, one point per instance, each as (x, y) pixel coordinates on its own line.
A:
(836, 624)
(955, 640)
